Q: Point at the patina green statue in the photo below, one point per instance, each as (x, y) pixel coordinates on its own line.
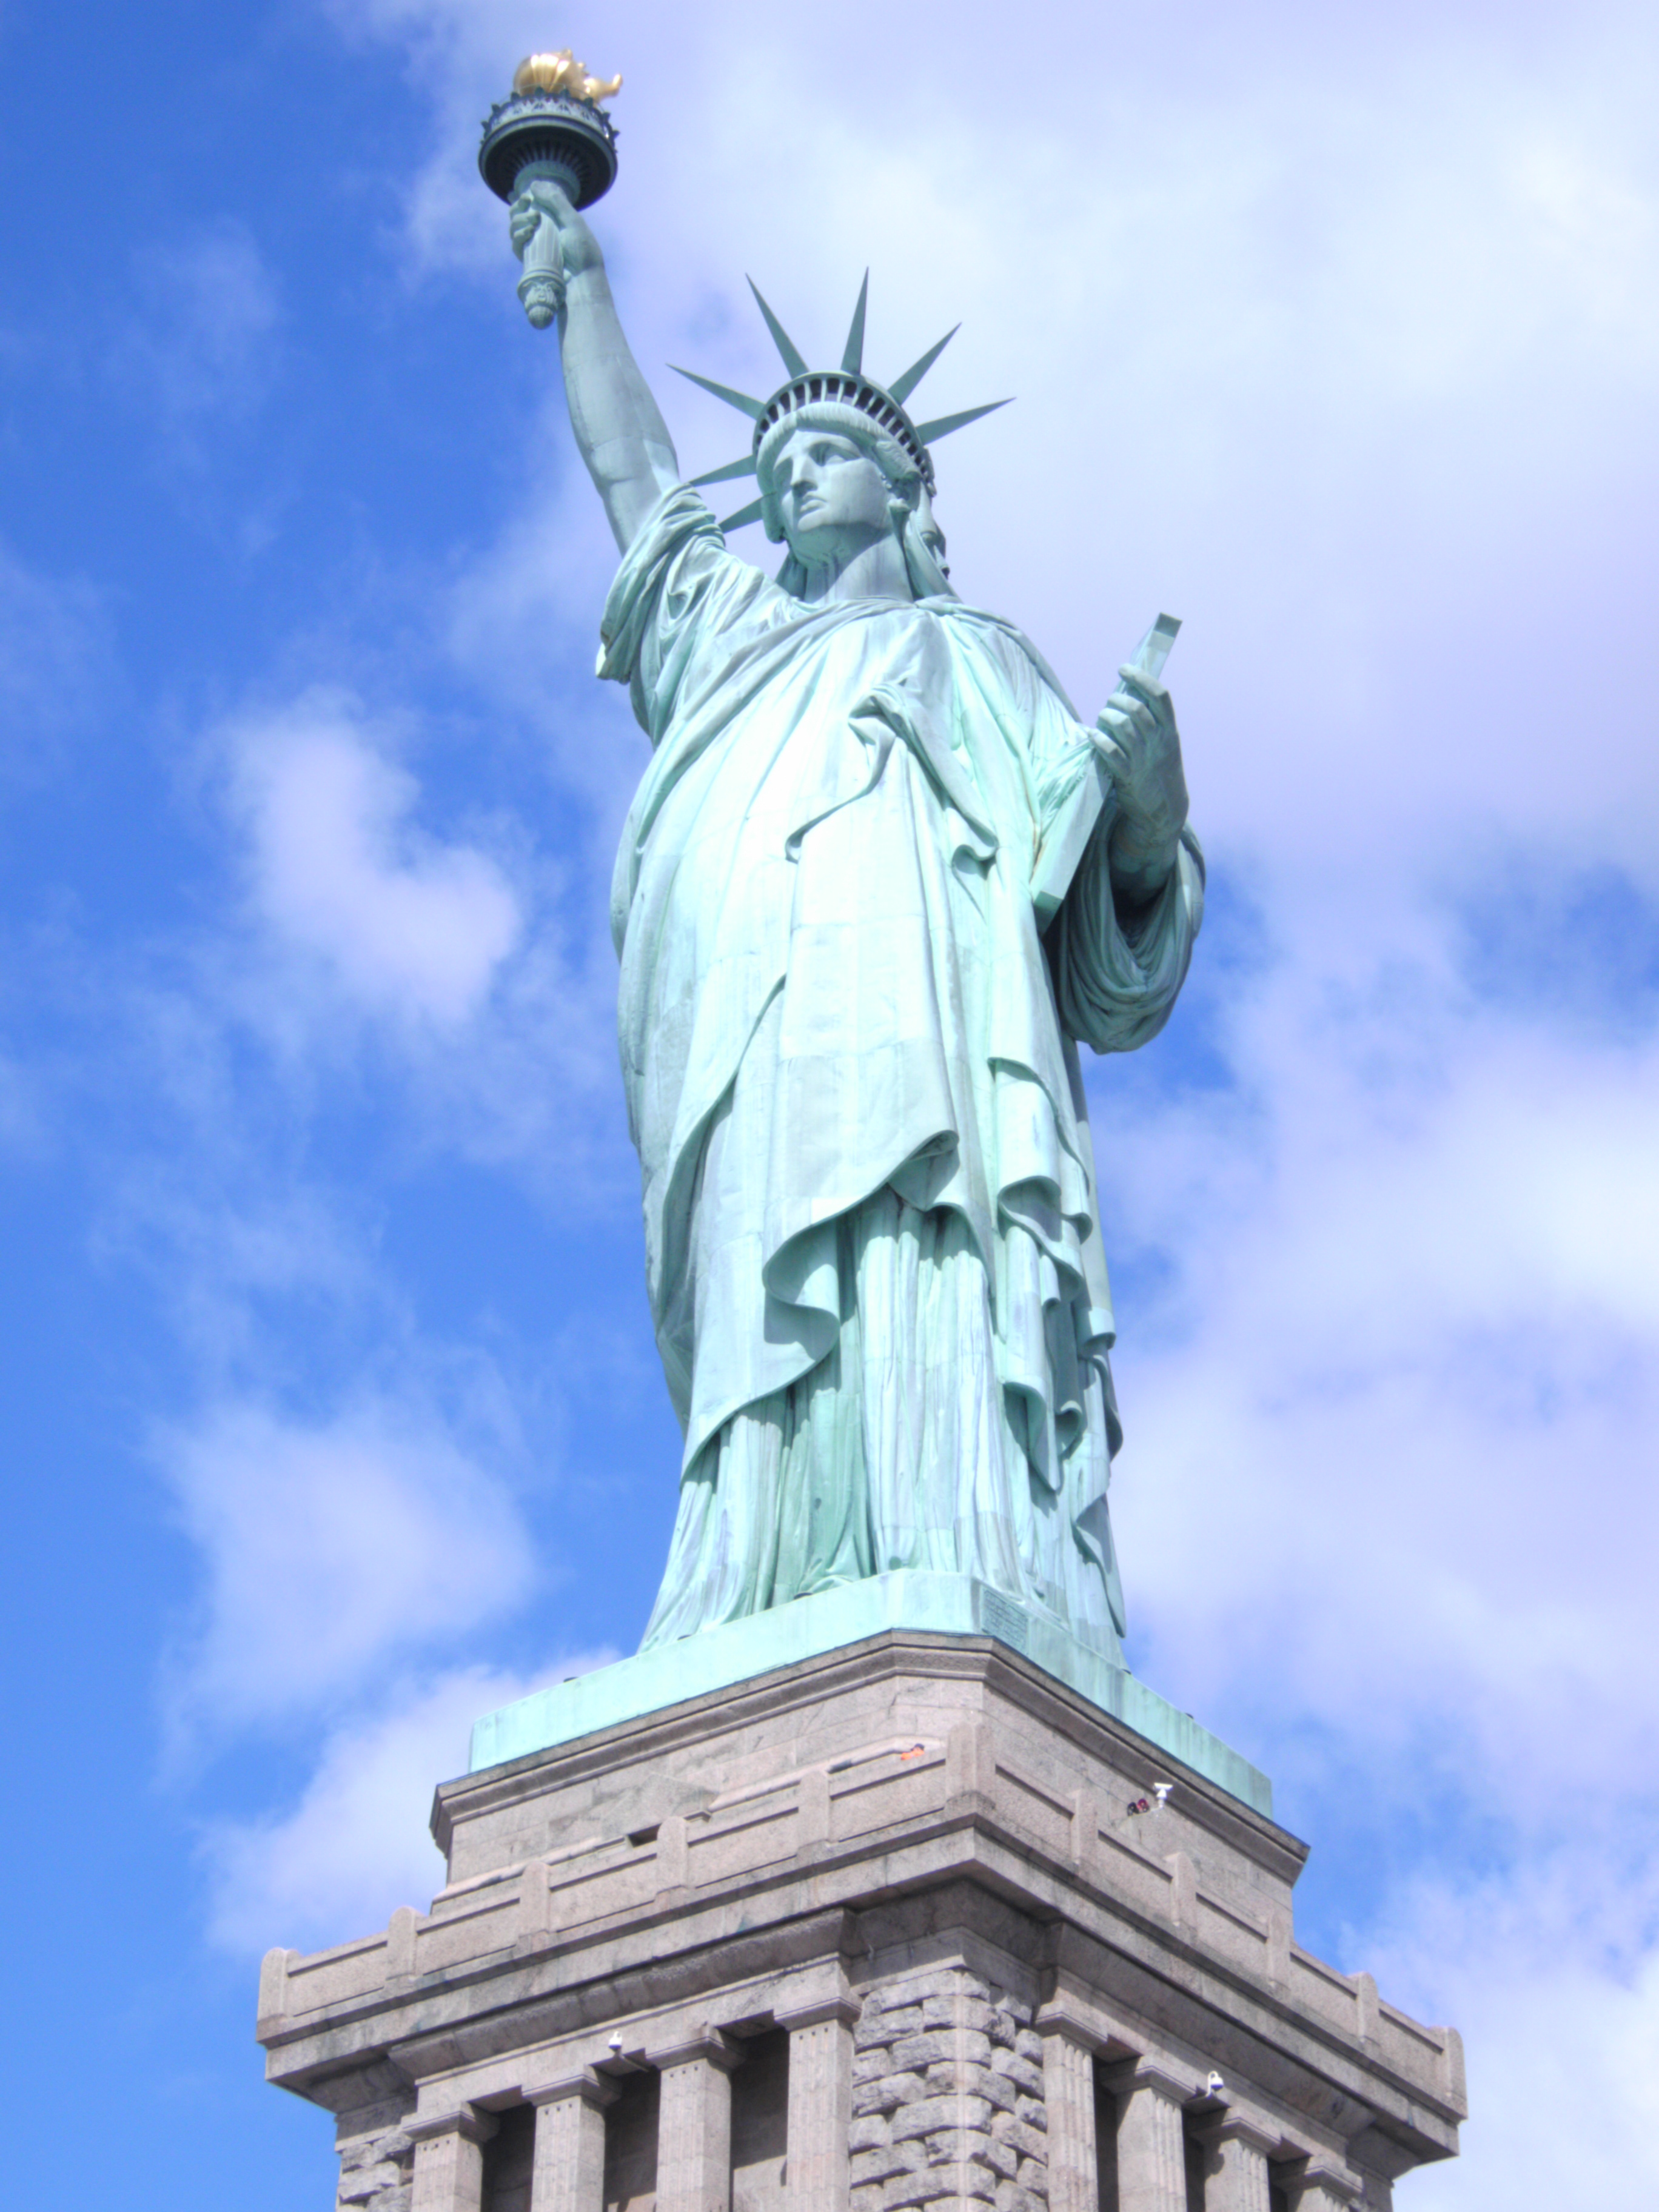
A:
(855, 976)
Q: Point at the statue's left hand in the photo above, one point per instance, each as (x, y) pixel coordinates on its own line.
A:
(1142, 754)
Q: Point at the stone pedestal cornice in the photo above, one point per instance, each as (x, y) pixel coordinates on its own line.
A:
(470, 2126)
(583, 2083)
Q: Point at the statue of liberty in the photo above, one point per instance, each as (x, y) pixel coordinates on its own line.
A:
(853, 990)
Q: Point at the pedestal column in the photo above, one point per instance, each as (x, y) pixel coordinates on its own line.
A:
(1068, 2093)
(449, 2159)
(568, 2174)
(1314, 2187)
(1237, 2178)
(693, 2129)
(1151, 2149)
(820, 2104)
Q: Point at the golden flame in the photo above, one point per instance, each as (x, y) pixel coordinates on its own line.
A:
(563, 72)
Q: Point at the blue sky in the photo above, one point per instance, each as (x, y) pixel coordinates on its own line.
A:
(334, 1414)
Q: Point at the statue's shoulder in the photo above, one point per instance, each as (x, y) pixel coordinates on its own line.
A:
(678, 562)
(1002, 642)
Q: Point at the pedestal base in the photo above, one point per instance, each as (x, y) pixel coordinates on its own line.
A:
(790, 1635)
(903, 1925)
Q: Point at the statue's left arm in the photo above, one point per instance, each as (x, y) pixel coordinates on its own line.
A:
(1123, 937)
(1140, 747)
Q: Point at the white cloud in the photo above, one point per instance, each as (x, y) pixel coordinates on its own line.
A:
(1562, 2034)
(328, 1547)
(523, 622)
(357, 1844)
(472, 964)
(405, 925)
(1406, 1369)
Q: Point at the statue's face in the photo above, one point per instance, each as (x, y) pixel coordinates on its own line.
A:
(832, 498)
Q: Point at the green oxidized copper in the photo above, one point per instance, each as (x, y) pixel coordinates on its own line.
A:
(878, 884)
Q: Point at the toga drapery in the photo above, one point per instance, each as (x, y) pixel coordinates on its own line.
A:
(872, 1249)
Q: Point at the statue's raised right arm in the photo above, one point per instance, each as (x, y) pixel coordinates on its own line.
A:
(618, 427)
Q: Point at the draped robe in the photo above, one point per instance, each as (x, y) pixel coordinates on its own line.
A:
(850, 1057)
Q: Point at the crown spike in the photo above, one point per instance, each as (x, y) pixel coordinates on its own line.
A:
(928, 432)
(732, 470)
(902, 386)
(852, 359)
(794, 360)
(745, 514)
(754, 409)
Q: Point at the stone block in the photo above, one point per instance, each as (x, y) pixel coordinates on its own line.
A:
(1019, 2135)
(949, 2145)
(938, 2046)
(985, 2081)
(922, 1982)
(886, 2159)
(932, 2113)
(886, 2025)
(977, 2186)
(381, 2121)
(867, 2132)
(1023, 2072)
(887, 2093)
(379, 2150)
(1002, 2157)
(365, 2183)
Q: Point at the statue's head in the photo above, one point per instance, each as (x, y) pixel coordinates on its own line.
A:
(832, 479)
(860, 425)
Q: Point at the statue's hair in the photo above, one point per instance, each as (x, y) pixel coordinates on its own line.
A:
(908, 504)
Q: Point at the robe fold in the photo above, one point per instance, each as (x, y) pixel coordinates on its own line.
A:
(850, 1058)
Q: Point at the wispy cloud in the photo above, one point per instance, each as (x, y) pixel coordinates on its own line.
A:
(1527, 1980)
(329, 1547)
(1408, 1323)
(355, 1845)
(405, 925)
(447, 953)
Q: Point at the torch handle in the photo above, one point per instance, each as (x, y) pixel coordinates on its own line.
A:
(541, 288)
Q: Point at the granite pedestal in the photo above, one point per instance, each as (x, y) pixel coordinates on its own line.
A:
(910, 1922)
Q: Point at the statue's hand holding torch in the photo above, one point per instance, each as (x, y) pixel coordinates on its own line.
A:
(548, 150)
(535, 225)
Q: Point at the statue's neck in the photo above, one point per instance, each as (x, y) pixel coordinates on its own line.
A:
(877, 571)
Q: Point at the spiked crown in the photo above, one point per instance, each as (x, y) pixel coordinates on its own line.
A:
(883, 406)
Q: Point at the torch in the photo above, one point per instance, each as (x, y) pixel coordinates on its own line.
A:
(551, 126)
